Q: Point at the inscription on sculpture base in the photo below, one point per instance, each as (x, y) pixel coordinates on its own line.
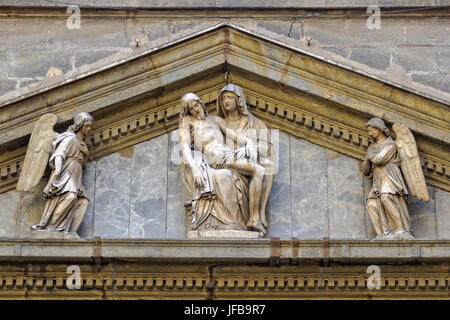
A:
(224, 234)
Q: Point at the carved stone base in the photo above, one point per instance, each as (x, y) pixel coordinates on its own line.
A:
(224, 234)
(46, 234)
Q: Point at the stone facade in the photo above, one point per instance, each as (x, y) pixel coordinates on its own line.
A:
(411, 47)
(313, 74)
(137, 194)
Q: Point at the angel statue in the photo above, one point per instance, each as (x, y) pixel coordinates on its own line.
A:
(385, 162)
(66, 155)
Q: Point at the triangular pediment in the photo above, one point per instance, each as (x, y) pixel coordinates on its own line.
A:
(136, 98)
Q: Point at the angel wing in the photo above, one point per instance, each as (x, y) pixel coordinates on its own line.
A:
(410, 162)
(38, 152)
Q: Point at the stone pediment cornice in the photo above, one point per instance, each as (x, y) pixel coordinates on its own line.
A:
(302, 94)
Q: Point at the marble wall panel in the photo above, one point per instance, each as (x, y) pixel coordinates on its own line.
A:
(8, 213)
(345, 197)
(112, 195)
(309, 190)
(442, 213)
(86, 228)
(176, 216)
(370, 231)
(280, 201)
(149, 188)
(31, 207)
(423, 216)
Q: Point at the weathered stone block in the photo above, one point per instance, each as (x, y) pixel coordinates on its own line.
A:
(149, 188)
(282, 28)
(7, 85)
(30, 209)
(423, 216)
(93, 34)
(189, 25)
(370, 231)
(378, 58)
(437, 81)
(426, 31)
(112, 195)
(342, 51)
(309, 190)
(444, 60)
(416, 58)
(176, 216)
(280, 219)
(345, 197)
(34, 61)
(9, 202)
(442, 213)
(154, 29)
(88, 57)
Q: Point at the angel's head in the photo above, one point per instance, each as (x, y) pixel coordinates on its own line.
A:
(82, 122)
(377, 127)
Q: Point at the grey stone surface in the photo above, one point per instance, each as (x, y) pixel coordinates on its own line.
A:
(418, 58)
(345, 198)
(444, 59)
(7, 85)
(282, 27)
(280, 202)
(154, 29)
(31, 207)
(90, 56)
(370, 231)
(110, 33)
(423, 216)
(8, 213)
(31, 61)
(87, 225)
(377, 58)
(426, 31)
(227, 4)
(176, 216)
(34, 45)
(442, 213)
(309, 190)
(149, 189)
(438, 81)
(112, 196)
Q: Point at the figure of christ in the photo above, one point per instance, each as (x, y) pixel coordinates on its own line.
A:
(206, 134)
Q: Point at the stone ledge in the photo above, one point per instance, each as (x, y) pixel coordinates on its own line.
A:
(227, 250)
(197, 4)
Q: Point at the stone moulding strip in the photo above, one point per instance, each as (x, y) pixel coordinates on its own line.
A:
(144, 274)
(245, 250)
(314, 128)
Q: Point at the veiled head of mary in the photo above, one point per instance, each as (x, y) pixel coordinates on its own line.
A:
(231, 97)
